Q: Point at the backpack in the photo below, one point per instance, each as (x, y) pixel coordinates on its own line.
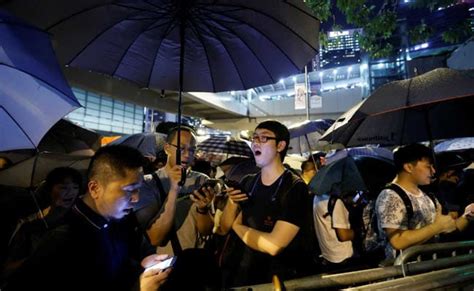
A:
(361, 218)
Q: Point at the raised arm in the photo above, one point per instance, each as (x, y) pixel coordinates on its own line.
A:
(159, 229)
(271, 243)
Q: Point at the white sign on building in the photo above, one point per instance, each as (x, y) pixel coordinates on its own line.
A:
(300, 96)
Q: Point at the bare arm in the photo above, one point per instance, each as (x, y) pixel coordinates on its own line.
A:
(402, 239)
(204, 220)
(160, 228)
(271, 243)
(344, 234)
(231, 210)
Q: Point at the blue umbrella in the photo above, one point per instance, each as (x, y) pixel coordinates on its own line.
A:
(33, 93)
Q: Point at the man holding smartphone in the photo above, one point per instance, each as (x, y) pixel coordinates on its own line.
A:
(176, 217)
(267, 214)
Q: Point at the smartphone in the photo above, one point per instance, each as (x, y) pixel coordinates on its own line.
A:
(163, 265)
(209, 183)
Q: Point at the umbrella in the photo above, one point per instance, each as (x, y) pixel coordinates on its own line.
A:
(32, 171)
(34, 94)
(353, 171)
(304, 136)
(67, 137)
(225, 145)
(456, 144)
(198, 45)
(147, 143)
(432, 106)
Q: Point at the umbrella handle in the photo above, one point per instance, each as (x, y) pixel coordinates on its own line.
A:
(183, 177)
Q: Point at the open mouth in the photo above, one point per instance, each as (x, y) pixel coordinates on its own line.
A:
(257, 153)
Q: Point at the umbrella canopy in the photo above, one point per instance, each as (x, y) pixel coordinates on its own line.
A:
(356, 170)
(432, 106)
(32, 171)
(225, 145)
(304, 136)
(456, 144)
(67, 137)
(147, 143)
(228, 44)
(33, 94)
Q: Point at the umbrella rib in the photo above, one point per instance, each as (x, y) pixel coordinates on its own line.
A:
(228, 53)
(92, 8)
(250, 49)
(19, 126)
(195, 28)
(264, 35)
(172, 25)
(95, 38)
(71, 98)
(134, 42)
(274, 19)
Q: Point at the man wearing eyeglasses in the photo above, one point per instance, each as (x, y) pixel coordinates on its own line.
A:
(176, 217)
(267, 214)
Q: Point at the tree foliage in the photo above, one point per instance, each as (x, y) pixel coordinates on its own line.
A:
(379, 23)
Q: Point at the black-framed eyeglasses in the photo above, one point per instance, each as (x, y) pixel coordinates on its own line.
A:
(190, 150)
(262, 138)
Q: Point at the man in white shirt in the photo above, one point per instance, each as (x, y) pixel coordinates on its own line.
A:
(333, 230)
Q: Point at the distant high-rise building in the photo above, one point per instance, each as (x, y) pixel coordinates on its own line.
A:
(342, 49)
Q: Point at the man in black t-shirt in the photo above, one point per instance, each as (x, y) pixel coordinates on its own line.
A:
(267, 214)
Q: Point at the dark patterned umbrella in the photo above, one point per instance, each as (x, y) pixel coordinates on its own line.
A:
(226, 146)
(432, 106)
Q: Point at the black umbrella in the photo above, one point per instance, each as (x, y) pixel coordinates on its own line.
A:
(190, 45)
(354, 170)
(435, 105)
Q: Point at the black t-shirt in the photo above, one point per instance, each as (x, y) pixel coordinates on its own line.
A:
(267, 205)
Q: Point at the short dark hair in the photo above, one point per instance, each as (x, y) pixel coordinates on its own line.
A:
(411, 153)
(57, 176)
(307, 165)
(172, 132)
(113, 161)
(281, 133)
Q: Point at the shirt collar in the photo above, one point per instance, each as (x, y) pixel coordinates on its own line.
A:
(86, 213)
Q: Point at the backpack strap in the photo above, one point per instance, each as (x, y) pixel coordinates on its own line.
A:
(404, 196)
(331, 204)
(177, 249)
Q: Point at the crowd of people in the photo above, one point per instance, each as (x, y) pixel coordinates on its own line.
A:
(238, 230)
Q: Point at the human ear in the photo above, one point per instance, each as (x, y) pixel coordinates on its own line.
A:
(281, 145)
(94, 188)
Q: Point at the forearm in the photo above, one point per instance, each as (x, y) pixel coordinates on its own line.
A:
(257, 240)
(160, 228)
(402, 239)
(229, 214)
(461, 223)
(204, 222)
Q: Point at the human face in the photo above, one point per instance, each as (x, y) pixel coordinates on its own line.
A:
(188, 147)
(64, 194)
(119, 194)
(265, 152)
(422, 171)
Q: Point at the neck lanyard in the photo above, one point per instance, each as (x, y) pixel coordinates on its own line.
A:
(274, 194)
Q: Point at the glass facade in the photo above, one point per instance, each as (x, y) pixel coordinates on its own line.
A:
(105, 114)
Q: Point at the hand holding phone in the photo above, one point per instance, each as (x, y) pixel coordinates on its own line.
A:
(163, 265)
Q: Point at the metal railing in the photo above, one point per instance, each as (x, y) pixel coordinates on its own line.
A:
(444, 267)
